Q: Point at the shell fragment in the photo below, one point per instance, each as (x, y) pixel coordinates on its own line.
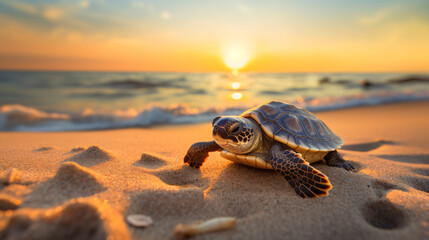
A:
(214, 224)
(139, 220)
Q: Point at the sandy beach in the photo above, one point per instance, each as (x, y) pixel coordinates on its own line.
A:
(82, 185)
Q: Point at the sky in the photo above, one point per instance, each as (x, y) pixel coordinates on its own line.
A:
(215, 36)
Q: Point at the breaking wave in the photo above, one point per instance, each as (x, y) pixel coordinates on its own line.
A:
(16, 117)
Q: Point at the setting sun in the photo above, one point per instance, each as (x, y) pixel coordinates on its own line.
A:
(236, 57)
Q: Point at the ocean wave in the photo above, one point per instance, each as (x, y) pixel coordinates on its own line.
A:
(409, 79)
(22, 118)
(98, 94)
(148, 82)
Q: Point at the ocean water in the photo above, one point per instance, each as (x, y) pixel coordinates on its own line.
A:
(68, 101)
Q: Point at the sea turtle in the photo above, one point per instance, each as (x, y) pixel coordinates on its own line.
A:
(278, 136)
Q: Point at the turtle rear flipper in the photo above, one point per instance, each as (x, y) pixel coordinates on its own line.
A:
(335, 159)
(307, 181)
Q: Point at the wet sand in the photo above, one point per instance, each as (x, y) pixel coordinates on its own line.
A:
(82, 185)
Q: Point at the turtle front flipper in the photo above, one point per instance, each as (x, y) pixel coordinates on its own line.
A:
(198, 153)
(307, 181)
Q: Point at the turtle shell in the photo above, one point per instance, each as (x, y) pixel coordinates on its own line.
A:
(295, 127)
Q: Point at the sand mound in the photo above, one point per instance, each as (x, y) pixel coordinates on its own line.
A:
(8, 203)
(91, 156)
(78, 219)
(76, 150)
(16, 190)
(419, 183)
(70, 181)
(422, 171)
(381, 188)
(151, 161)
(73, 174)
(11, 176)
(42, 149)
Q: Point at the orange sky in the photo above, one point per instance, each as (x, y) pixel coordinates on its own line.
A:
(191, 36)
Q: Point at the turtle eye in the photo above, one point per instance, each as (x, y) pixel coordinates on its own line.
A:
(215, 119)
(235, 128)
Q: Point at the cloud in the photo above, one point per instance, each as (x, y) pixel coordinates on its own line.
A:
(165, 15)
(53, 13)
(84, 4)
(46, 17)
(138, 4)
(242, 8)
(48, 12)
(379, 16)
(413, 30)
(399, 23)
(22, 7)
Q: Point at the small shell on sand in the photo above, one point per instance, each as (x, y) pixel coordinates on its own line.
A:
(200, 227)
(139, 220)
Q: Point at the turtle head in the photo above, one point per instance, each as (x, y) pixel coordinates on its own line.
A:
(237, 134)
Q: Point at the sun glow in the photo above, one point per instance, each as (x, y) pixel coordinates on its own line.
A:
(236, 57)
(237, 96)
(235, 85)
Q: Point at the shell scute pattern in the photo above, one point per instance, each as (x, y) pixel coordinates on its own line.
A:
(304, 143)
(316, 145)
(255, 115)
(289, 108)
(294, 126)
(324, 146)
(308, 127)
(321, 133)
(291, 123)
(292, 140)
(300, 142)
(269, 112)
(270, 128)
(280, 135)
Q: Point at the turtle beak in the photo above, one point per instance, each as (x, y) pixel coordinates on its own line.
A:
(219, 132)
(215, 130)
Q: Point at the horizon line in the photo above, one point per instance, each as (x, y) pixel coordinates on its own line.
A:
(207, 72)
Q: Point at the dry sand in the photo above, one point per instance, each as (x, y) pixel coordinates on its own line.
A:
(82, 185)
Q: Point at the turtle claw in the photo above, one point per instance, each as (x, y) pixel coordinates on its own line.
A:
(198, 153)
(347, 166)
(195, 160)
(335, 159)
